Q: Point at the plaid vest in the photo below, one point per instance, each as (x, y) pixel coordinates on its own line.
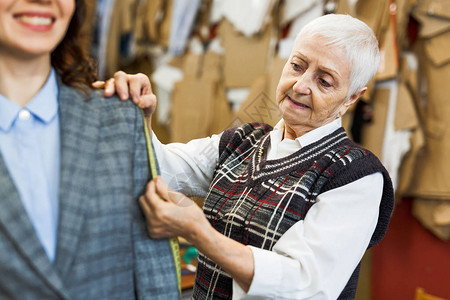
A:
(255, 201)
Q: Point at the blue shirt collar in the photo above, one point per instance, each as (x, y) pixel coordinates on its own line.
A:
(44, 105)
(8, 113)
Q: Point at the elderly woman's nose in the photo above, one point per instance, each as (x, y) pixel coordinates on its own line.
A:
(302, 84)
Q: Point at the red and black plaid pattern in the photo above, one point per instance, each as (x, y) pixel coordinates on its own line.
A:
(255, 201)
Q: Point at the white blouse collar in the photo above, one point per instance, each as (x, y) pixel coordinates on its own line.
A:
(280, 148)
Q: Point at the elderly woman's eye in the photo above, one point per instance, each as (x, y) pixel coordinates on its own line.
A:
(296, 67)
(324, 83)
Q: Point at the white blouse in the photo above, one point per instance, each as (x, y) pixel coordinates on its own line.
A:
(315, 258)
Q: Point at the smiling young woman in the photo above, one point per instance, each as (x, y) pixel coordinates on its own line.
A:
(37, 35)
(70, 225)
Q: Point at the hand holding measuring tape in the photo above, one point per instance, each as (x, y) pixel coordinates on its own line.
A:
(176, 216)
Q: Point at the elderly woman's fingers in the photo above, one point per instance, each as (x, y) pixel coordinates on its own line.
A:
(110, 87)
(139, 86)
(148, 104)
(172, 196)
(147, 201)
(150, 194)
(121, 84)
(144, 205)
(135, 85)
(151, 221)
(99, 84)
(174, 217)
(161, 188)
(160, 215)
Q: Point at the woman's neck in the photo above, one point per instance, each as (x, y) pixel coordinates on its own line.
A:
(293, 133)
(21, 79)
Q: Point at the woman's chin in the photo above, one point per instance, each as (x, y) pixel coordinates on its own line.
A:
(288, 112)
(291, 119)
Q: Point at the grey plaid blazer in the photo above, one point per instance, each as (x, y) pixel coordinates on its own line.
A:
(103, 250)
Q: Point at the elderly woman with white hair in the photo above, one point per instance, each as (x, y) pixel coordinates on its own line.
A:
(289, 211)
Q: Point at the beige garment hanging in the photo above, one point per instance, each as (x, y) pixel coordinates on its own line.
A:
(121, 23)
(199, 105)
(433, 166)
(245, 57)
(260, 105)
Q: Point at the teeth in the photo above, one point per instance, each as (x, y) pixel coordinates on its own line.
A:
(35, 20)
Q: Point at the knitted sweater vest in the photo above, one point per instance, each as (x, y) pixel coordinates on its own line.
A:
(255, 201)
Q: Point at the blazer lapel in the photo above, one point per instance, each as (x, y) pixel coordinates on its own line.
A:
(15, 223)
(79, 125)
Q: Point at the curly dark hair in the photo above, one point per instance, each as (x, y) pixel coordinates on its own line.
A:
(71, 59)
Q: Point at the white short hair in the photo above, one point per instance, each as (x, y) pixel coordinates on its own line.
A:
(358, 40)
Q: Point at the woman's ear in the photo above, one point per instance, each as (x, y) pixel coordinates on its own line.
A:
(351, 100)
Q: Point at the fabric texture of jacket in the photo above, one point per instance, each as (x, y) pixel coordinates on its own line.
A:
(103, 249)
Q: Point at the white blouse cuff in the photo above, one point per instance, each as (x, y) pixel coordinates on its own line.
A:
(266, 279)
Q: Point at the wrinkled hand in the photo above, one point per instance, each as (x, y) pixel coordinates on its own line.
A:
(135, 85)
(180, 216)
(170, 213)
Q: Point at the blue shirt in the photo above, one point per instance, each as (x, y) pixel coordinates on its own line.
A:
(30, 147)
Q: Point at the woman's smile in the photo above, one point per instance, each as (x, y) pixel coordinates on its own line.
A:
(33, 29)
(35, 20)
(297, 104)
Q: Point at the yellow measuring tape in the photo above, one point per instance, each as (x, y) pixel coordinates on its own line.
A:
(174, 246)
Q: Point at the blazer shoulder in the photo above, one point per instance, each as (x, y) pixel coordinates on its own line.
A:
(94, 99)
(113, 110)
(99, 101)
